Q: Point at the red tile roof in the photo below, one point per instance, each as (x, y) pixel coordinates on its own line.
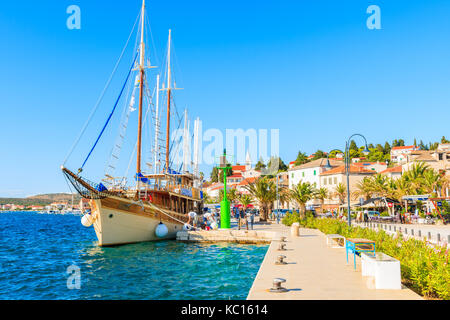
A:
(247, 181)
(353, 169)
(238, 168)
(403, 147)
(393, 169)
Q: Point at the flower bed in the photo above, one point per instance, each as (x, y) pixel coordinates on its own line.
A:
(424, 268)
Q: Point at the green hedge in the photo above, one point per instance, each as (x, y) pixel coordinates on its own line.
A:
(423, 267)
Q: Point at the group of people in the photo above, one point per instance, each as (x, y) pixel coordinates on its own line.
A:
(243, 217)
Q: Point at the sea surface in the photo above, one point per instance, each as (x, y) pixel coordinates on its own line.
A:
(41, 254)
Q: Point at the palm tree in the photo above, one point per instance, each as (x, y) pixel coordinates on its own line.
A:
(380, 185)
(321, 194)
(341, 191)
(364, 188)
(232, 195)
(245, 200)
(415, 176)
(206, 197)
(302, 193)
(432, 182)
(263, 190)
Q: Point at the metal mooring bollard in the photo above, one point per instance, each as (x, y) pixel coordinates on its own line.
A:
(280, 260)
(276, 285)
(281, 247)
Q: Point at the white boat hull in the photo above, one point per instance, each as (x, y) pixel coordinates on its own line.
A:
(117, 227)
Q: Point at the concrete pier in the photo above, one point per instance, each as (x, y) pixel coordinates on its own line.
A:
(229, 235)
(315, 272)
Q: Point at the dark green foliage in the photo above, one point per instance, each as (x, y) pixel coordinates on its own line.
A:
(423, 267)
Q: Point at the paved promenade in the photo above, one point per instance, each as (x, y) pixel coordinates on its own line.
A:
(315, 272)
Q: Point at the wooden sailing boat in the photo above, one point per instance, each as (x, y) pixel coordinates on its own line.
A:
(157, 207)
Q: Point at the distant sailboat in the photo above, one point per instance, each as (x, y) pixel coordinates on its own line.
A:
(157, 206)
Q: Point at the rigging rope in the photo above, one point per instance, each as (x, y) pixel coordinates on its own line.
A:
(102, 94)
(110, 115)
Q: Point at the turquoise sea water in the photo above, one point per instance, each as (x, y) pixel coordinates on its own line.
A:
(36, 250)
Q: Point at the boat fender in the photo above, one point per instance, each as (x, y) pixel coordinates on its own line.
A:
(187, 227)
(161, 230)
(87, 220)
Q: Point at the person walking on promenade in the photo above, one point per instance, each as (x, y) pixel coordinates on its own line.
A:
(240, 217)
(252, 220)
(247, 219)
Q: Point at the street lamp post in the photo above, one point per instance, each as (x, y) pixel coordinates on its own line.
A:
(278, 195)
(347, 171)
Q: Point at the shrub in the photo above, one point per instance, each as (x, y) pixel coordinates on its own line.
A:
(425, 267)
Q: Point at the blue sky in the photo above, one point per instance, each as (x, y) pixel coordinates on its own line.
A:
(309, 68)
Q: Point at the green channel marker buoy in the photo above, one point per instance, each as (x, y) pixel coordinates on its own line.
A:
(225, 203)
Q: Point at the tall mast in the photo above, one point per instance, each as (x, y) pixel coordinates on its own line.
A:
(141, 90)
(168, 106)
(156, 125)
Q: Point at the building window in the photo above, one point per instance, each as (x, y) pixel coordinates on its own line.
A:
(314, 172)
(329, 180)
(335, 180)
(303, 174)
(441, 156)
(325, 181)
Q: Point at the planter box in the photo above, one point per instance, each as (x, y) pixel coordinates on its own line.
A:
(384, 268)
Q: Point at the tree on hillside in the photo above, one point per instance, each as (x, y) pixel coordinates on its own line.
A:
(260, 164)
(433, 145)
(423, 146)
(387, 148)
(281, 165)
(214, 176)
(229, 173)
(302, 158)
(334, 153)
(353, 146)
(443, 140)
(398, 143)
(376, 155)
(319, 154)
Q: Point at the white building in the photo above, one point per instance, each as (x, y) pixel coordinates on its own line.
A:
(400, 154)
(394, 172)
(309, 172)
